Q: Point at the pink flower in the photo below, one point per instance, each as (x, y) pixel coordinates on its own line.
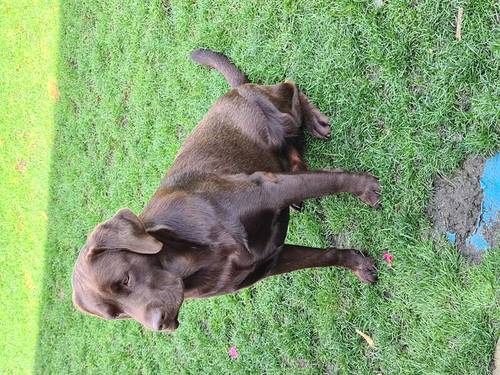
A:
(388, 257)
(233, 352)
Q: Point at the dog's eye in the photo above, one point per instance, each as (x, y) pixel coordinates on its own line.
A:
(120, 315)
(126, 280)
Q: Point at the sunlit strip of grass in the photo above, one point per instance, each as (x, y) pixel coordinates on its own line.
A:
(28, 92)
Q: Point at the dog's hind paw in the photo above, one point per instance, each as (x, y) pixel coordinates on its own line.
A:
(318, 125)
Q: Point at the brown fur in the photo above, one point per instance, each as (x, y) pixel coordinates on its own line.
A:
(218, 221)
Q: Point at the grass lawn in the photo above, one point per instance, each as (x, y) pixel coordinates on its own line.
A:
(407, 101)
(28, 92)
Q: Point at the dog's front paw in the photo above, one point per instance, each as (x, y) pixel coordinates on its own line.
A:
(370, 193)
(365, 270)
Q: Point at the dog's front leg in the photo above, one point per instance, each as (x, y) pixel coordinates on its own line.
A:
(286, 189)
(293, 257)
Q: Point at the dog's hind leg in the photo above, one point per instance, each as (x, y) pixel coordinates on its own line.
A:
(316, 122)
(287, 110)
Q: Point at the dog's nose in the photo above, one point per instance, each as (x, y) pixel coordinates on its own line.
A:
(157, 320)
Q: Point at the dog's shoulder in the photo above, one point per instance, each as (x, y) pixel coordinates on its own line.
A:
(183, 210)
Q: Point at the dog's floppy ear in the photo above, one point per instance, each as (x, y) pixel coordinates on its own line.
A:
(123, 231)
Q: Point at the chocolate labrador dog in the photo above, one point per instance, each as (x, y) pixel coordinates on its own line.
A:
(218, 221)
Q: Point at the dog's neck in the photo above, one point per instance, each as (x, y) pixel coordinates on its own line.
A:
(200, 274)
(181, 263)
(184, 264)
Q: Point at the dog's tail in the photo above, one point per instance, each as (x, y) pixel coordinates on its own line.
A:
(221, 63)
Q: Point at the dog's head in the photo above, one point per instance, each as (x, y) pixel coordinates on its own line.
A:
(118, 275)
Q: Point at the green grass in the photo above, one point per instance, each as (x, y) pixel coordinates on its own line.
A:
(407, 101)
(28, 91)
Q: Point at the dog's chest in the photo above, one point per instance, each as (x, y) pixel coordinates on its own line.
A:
(265, 231)
(229, 269)
(226, 275)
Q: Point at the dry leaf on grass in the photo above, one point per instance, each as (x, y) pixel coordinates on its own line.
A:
(54, 90)
(21, 166)
(460, 17)
(367, 338)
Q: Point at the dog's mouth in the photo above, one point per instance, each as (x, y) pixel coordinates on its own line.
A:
(174, 324)
(170, 327)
